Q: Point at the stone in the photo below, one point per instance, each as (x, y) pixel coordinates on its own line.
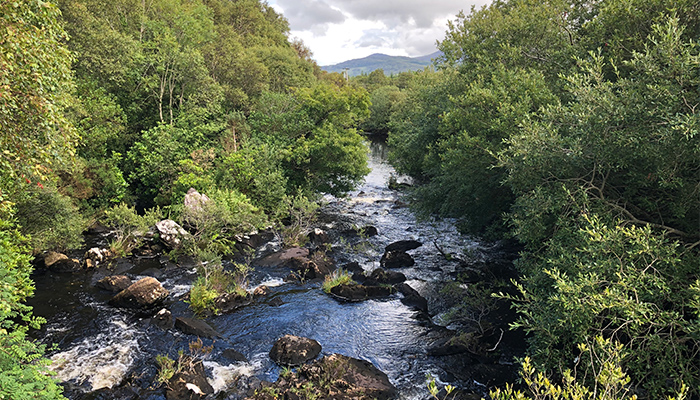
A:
(261, 290)
(411, 297)
(66, 265)
(369, 231)
(195, 202)
(317, 266)
(89, 264)
(403, 246)
(95, 254)
(319, 237)
(190, 384)
(294, 350)
(230, 302)
(171, 234)
(233, 355)
(195, 327)
(361, 292)
(163, 319)
(283, 257)
(399, 259)
(144, 293)
(383, 277)
(114, 283)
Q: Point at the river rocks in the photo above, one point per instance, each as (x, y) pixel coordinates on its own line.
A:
(412, 298)
(163, 319)
(145, 293)
(334, 377)
(383, 277)
(230, 302)
(190, 384)
(97, 255)
(194, 202)
(58, 262)
(195, 327)
(171, 233)
(403, 245)
(360, 292)
(283, 257)
(294, 350)
(319, 237)
(233, 355)
(114, 283)
(398, 259)
(316, 266)
(261, 291)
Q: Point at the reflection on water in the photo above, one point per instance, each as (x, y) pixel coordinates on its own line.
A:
(101, 346)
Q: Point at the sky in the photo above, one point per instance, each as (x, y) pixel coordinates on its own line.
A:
(341, 30)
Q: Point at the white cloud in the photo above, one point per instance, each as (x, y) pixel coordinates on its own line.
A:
(339, 30)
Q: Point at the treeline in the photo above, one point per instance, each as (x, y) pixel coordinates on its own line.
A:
(572, 127)
(113, 109)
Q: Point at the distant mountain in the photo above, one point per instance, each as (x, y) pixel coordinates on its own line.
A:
(390, 64)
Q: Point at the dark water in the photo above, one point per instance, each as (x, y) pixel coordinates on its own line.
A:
(101, 346)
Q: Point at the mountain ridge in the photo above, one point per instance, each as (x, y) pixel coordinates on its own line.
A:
(390, 64)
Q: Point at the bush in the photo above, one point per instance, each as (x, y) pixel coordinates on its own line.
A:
(23, 368)
(337, 278)
(129, 227)
(50, 218)
(214, 281)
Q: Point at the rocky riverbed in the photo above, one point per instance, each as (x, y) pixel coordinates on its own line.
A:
(112, 317)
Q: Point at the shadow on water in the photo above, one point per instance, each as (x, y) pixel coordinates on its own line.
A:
(101, 346)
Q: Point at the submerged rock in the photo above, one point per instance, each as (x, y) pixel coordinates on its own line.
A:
(294, 350)
(233, 355)
(114, 283)
(195, 327)
(383, 277)
(145, 293)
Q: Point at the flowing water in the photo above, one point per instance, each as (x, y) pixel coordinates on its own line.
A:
(102, 347)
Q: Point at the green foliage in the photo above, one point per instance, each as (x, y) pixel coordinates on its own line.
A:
(382, 99)
(337, 278)
(129, 227)
(23, 370)
(51, 218)
(301, 214)
(35, 82)
(609, 379)
(214, 281)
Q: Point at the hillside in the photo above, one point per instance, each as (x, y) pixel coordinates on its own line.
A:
(390, 64)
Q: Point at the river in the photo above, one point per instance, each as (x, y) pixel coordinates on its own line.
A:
(104, 347)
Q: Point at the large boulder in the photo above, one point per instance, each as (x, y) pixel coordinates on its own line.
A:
(171, 234)
(58, 262)
(195, 202)
(114, 283)
(396, 259)
(294, 350)
(195, 327)
(145, 293)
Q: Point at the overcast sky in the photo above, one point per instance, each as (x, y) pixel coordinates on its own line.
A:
(340, 30)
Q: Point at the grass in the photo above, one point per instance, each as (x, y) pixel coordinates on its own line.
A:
(337, 278)
(212, 282)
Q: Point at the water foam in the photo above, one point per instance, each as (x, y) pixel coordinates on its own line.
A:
(100, 361)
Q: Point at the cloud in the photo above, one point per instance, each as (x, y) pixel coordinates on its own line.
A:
(311, 15)
(394, 13)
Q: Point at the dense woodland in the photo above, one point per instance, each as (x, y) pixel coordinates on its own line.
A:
(570, 127)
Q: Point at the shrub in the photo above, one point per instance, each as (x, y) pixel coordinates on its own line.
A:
(214, 281)
(50, 218)
(129, 227)
(337, 278)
